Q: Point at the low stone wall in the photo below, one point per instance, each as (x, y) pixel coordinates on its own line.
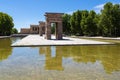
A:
(19, 35)
(2, 37)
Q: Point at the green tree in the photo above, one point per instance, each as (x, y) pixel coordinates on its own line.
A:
(83, 22)
(105, 21)
(6, 24)
(78, 18)
(116, 20)
(91, 27)
(110, 20)
(72, 23)
(14, 31)
(75, 23)
(66, 24)
(99, 29)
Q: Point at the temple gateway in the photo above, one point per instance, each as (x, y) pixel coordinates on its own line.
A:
(45, 27)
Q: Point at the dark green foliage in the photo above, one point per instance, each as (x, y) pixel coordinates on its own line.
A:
(83, 22)
(110, 20)
(106, 19)
(72, 23)
(88, 23)
(75, 23)
(66, 24)
(6, 24)
(14, 31)
(99, 29)
(91, 26)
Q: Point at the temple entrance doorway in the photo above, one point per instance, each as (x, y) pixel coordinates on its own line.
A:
(54, 30)
(54, 19)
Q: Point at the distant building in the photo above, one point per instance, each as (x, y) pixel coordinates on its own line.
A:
(41, 28)
(25, 30)
(34, 29)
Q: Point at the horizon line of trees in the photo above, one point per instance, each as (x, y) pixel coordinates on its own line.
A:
(89, 23)
(6, 25)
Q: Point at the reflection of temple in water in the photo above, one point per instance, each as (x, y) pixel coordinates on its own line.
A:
(53, 57)
(5, 49)
(107, 55)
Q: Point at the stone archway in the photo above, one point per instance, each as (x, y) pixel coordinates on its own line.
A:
(53, 18)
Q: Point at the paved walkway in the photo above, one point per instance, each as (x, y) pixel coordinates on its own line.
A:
(1, 37)
(110, 38)
(36, 40)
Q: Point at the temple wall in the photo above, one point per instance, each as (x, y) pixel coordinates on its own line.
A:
(25, 31)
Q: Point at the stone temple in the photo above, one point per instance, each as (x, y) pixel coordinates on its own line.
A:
(34, 29)
(45, 27)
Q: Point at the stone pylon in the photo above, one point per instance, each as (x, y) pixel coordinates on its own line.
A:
(41, 28)
(53, 18)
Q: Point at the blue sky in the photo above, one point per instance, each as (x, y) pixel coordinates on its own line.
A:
(26, 12)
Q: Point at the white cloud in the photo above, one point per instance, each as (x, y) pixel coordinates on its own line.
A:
(98, 8)
(71, 12)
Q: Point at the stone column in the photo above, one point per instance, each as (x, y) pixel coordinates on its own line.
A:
(48, 30)
(56, 30)
(59, 31)
(40, 31)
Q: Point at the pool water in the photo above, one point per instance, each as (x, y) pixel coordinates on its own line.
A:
(100, 62)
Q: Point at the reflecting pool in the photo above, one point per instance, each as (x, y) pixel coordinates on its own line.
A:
(100, 62)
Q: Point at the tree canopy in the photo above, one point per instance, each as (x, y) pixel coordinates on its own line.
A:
(89, 23)
(66, 24)
(6, 24)
(110, 19)
(14, 31)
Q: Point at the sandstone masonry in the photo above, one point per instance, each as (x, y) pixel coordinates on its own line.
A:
(45, 27)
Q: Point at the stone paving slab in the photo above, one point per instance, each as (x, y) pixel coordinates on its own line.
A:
(36, 40)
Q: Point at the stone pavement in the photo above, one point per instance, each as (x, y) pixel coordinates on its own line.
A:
(36, 40)
(1, 37)
(109, 38)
